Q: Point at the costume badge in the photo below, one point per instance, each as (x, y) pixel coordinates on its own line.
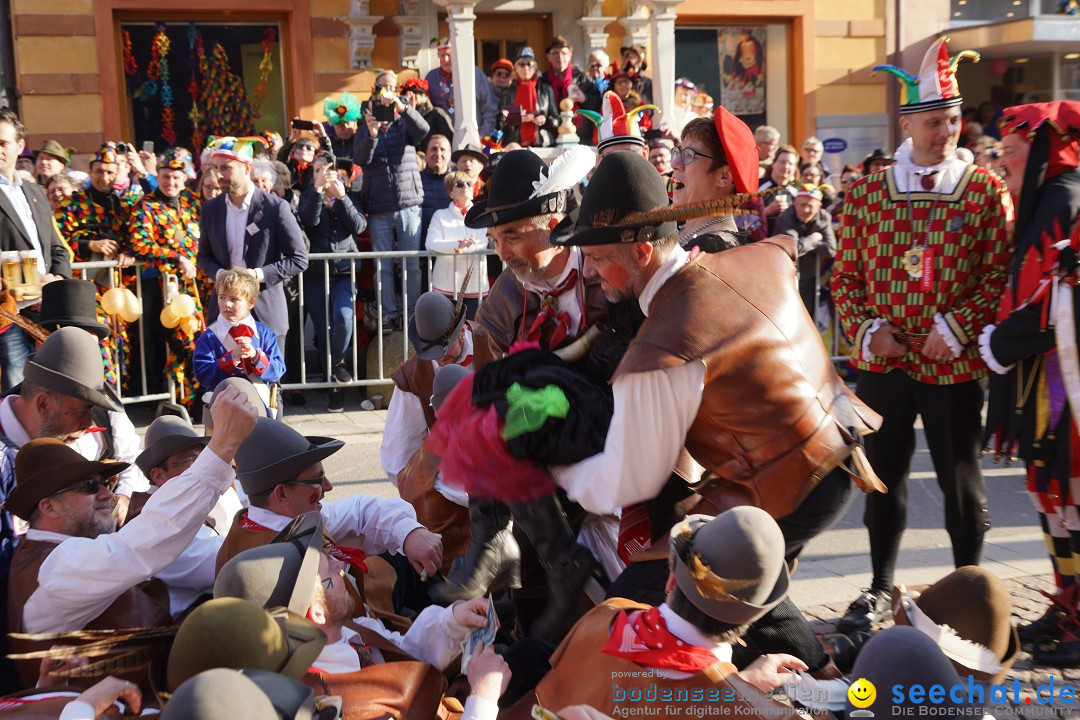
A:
(913, 262)
(252, 229)
(956, 224)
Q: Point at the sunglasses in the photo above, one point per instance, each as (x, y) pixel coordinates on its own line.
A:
(91, 485)
(317, 480)
(460, 184)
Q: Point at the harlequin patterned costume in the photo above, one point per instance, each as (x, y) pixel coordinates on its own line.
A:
(160, 235)
(922, 249)
(1033, 351)
(91, 215)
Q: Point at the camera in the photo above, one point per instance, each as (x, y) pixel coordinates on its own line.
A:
(122, 148)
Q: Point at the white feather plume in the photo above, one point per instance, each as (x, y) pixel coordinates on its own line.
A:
(565, 171)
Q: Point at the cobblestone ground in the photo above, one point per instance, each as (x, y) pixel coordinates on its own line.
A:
(1028, 604)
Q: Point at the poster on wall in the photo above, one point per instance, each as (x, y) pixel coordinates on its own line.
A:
(742, 86)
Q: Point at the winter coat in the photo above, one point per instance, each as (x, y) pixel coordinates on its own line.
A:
(391, 179)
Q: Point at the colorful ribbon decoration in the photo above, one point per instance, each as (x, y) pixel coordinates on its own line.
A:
(266, 66)
(529, 409)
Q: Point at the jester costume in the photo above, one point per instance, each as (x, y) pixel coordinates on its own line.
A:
(1032, 348)
(163, 230)
(923, 253)
(94, 215)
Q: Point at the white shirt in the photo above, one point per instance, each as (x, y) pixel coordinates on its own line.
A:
(126, 447)
(380, 524)
(434, 637)
(83, 576)
(630, 470)
(10, 425)
(236, 228)
(17, 197)
(570, 301)
(446, 230)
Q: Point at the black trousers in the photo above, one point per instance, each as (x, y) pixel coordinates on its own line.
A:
(952, 420)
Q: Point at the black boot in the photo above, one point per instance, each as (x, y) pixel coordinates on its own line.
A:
(493, 554)
(567, 564)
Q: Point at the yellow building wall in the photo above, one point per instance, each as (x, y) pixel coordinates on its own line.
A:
(849, 39)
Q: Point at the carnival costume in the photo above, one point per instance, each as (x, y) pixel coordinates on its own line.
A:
(922, 249)
(162, 231)
(1032, 350)
(93, 215)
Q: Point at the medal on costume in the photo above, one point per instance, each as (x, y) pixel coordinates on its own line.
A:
(913, 262)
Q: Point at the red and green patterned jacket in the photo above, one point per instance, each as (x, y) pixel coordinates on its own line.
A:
(970, 256)
(82, 220)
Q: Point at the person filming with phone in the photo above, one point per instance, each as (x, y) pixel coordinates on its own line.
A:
(392, 191)
(529, 110)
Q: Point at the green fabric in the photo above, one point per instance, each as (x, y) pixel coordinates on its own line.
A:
(530, 409)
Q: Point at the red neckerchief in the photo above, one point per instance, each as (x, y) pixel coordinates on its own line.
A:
(352, 556)
(525, 96)
(642, 637)
(560, 82)
(549, 309)
(463, 208)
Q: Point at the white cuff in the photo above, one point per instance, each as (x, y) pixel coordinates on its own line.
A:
(259, 275)
(478, 708)
(868, 356)
(988, 355)
(451, 626)
(948, 335)
(78, 710)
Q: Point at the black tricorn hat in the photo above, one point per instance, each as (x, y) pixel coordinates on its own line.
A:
(71, 303)
(623, 184)
(511, 188)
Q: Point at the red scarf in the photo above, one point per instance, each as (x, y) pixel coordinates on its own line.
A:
(642, 637)
(560, 82)
(349, 555)
(549, 309)
(525, 96)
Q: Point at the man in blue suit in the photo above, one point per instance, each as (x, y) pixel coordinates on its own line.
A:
(245, 227)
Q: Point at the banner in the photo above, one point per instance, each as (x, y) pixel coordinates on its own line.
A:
(742, 53)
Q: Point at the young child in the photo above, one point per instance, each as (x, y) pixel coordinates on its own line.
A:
(235, 345)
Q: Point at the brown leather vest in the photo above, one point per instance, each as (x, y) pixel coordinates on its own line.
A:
(401, 687)
(509, 310)
(240, 539)
(134, 608)
(583, 675)
(416, 485)
(774, 416)
(417, 376)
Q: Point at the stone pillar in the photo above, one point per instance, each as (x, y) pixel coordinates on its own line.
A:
(662, 52)
(361, 34)
(460, 18)
(594, 23)
(637, 25)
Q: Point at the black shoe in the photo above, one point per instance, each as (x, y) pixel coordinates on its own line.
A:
(493, 555)
(868, 610)
(337, 401)
(1058, 653)
(297, 398)
(567, 564)
(1047, 626)
(341, 373)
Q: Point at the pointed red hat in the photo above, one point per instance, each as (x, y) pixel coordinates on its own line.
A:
(740, 148)
(1063, 119)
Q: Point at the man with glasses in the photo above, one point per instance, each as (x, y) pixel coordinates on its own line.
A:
(282, 473)
(567, 80)
(74, 570)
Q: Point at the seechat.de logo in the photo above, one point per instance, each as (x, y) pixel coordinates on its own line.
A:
(862, 694)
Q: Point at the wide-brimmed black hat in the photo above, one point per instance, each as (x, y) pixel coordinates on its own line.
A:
(731, 567)
(434, 325)
(275, 453)
(165, 437)
(44, 467)
(71, 303)
(471, 150)
(69, 362)
(511, 192)
(623, 184)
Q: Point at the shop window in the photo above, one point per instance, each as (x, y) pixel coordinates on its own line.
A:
(186, 81)
(743, 68)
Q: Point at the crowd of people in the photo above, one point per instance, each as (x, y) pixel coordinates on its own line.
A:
(609, 456)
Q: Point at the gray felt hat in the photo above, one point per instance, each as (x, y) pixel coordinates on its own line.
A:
(434, 325)
(69, 362)
(275, 453)
(165, 437)
(446, 379)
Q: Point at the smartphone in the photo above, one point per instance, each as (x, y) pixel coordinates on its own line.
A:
(148, 147)
(513, 115)
(382, 113)
(303, 124)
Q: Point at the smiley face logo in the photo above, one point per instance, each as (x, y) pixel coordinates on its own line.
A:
(862, 693)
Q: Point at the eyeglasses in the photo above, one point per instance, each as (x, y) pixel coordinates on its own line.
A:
(310, 148)
(460, 184)
(596, 65)
(317, 480)
(91, 485)
(687, 156)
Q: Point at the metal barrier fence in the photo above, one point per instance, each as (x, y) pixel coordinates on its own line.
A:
(309, 378)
